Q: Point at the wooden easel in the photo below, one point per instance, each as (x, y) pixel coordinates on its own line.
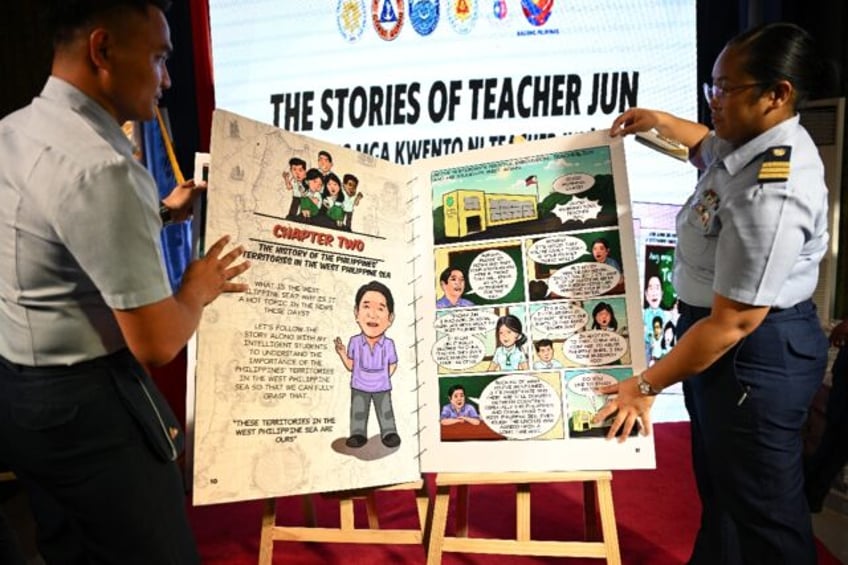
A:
(594, 482)
(346, 532)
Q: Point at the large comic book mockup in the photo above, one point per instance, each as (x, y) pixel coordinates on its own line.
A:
(453, 315)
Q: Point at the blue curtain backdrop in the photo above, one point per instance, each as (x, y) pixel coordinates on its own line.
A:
(176, 238)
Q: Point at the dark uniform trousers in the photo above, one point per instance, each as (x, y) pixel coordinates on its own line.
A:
(747, 411)
(92, 441)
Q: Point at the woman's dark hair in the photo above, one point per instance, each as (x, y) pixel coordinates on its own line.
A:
(514, 324)
(784, 51)
(600, 307)
(340, 195)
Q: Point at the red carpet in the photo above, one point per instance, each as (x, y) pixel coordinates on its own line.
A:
(656, 512)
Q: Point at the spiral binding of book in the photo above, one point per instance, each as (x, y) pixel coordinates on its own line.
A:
(416, 282)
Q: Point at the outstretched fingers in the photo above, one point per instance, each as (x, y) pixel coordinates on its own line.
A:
(224, 264)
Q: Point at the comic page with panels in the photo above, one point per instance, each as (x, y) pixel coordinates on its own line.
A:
(529, 303)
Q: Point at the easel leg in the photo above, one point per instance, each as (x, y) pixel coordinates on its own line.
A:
(346, 522)
(608, 522)
(438, 524)
(266, 539)
(522, 512)
(371, 511)
(462, 504)
(422, 503)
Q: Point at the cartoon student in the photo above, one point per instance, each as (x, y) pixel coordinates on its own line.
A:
(310, 202)
(325, 164)
(545, 355)
(510, 337)
(603, 318)
(456, 410)
(601, 253)
(333, 199)
(350, 184)
(371, 359)
(452, 281)
(295, 179)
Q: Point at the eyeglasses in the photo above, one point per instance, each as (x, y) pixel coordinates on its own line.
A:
(715, 91)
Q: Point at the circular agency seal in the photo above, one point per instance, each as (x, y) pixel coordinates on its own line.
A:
(499, 10)
(424, 15)
(350, 18)
(388, 16)
(462, 15)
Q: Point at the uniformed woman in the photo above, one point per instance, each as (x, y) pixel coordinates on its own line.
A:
(752, 350)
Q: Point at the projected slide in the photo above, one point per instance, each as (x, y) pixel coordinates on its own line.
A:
(405, 80)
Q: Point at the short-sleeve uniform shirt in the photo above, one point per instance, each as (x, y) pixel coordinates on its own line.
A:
(755, 228)
(79, 230)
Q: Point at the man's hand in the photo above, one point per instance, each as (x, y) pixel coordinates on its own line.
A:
(180, 199)
(208, 277)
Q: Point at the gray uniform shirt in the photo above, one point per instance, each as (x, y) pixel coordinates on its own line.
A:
(79, 230)
(755, 229)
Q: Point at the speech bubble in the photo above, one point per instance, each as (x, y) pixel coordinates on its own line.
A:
(558, 320)
(577, 209)
(573, 183)
(492, 274)
(584, 280)
(585, 384)
(557, 249)
(594, 347)
(458, 352)
(469, 322)
(519, 406)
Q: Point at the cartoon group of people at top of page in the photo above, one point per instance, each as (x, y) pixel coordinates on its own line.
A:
(319, 196)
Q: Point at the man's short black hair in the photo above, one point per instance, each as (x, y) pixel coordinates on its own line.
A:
(376, 286)
(543, 343)
(64, 17)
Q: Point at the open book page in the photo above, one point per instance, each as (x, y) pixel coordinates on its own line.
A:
(289, 372)
(529, 302)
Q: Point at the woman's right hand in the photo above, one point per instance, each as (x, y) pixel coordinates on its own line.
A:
(635, 119)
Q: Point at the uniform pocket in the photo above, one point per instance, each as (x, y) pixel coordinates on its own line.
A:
(805, 346)
(151, 411)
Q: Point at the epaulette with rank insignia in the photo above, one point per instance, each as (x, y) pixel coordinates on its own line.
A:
(775, 167)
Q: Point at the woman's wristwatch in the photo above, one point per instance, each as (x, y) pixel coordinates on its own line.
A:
(646, 388)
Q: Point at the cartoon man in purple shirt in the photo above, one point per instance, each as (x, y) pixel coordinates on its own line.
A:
(372, 359)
